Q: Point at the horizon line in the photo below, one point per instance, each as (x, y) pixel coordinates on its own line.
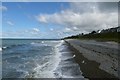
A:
(35, 38)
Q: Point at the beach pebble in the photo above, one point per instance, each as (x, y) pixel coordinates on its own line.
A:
(83, 61)
(73, 56)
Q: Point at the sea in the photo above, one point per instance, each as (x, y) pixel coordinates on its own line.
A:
(36, 58)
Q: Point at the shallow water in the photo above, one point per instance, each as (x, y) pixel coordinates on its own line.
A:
(38, 59)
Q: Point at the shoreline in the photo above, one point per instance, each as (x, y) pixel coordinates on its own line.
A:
(90, 68)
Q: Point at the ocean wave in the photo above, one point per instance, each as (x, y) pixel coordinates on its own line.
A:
(4, 47)
(42, 42)
(67, 67)
(58, 54)
(39, 44)
(47, 69)
(11, 46)
(32, 43)
(43, 66)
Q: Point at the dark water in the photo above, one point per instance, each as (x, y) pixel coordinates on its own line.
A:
(38, 59)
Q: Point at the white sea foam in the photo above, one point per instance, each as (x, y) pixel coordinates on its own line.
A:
(47, 69)
(58, 54)
(32, 42)
(39, 44)
(0, 49)
(52, 68)
(4, 47)
(42, 71)
(66, 68)
(58, 72)
(42, 42)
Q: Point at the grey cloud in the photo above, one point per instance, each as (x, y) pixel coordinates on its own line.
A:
(83, 7)
(84, 16)
(108, 6)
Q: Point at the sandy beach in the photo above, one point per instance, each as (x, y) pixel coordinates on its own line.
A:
(96, 59)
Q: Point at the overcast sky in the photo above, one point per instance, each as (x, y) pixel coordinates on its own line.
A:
(56, 19)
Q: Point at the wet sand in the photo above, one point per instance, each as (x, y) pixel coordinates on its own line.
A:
(93, 66)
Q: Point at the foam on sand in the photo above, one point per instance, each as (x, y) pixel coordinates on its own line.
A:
(67, 67)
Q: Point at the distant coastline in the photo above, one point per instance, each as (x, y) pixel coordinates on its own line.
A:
(111, 34)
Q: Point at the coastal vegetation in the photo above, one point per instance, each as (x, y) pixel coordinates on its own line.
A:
(111, 34)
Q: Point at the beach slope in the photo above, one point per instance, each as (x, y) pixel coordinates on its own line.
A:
(96, 59)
